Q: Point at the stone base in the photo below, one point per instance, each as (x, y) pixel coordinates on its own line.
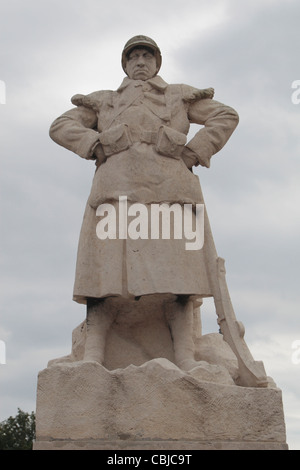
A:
(82, 405)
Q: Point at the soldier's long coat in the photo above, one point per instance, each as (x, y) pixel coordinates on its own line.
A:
(142, 127)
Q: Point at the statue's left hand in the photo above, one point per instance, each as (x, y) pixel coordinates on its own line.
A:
(190, 158)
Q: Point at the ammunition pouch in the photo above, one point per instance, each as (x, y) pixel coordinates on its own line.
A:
(115, 140)
(170, 142)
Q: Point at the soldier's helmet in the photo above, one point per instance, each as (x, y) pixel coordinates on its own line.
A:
(140, 41)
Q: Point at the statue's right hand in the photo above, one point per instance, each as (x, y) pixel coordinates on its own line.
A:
(99, 154)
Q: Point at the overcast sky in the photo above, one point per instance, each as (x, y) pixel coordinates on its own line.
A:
(249, 52)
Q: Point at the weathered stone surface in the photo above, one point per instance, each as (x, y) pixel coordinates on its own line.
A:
(135, 342)
(156, 401)
(96, 444)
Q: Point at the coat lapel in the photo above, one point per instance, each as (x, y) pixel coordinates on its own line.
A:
(131, 90)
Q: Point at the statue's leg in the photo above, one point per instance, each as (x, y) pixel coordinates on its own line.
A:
(98, 321)
(180, 317)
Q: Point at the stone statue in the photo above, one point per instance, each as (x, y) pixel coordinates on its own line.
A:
(141, 375)
(137, 135)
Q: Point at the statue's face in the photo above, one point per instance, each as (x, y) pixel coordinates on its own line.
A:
(141, 65)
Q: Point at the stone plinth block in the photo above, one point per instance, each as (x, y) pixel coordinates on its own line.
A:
(152, 406)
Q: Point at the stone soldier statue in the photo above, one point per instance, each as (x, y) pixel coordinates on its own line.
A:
(137, 136)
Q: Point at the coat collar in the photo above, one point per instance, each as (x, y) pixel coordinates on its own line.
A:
(157, 82)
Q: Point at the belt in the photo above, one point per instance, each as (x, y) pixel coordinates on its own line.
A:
(142, 135)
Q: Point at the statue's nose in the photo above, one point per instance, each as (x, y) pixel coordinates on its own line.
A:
(141, 61)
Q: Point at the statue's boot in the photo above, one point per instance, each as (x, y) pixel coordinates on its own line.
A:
(180, 317)
(98, 322)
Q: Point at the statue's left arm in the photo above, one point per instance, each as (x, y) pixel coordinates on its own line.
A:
(219, 122)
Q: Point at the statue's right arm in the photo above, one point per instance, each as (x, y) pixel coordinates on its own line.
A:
(76, 131)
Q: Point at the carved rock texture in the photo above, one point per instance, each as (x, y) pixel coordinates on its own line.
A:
(83, 401)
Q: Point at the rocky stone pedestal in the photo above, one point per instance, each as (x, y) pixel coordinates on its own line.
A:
(157, 406)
